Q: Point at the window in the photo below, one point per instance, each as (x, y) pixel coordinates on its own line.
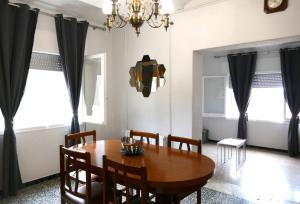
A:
(214, 96)
(46, 100)
(288, 114)
(266, 102)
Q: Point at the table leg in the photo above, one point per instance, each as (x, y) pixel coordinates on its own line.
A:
(199, 196)
(163, 199)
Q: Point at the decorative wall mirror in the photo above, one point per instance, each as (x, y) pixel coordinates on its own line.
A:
(147, 76)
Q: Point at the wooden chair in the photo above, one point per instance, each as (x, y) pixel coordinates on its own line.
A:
(131, 177)
(71, 193)
(147, 135)
(188, 142)
(80, 138)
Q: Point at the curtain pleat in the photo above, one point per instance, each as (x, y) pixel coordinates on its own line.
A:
(290, 70)
(242, 68)
(71, 37)
(17, 29)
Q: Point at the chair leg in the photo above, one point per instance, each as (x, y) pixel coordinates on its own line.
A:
(199, 196)
(176, 201)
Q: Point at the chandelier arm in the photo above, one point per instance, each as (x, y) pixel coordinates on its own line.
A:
(150, 16)
(124, 24)
(154, 25)
(119, 24)
(120, 17)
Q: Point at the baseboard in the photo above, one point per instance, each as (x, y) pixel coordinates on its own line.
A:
(41, 180)
(258, 147)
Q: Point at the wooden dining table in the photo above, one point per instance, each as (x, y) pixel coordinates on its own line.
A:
(169, 171)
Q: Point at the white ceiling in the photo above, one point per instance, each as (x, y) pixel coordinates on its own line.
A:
(74, 8)
(83, 9)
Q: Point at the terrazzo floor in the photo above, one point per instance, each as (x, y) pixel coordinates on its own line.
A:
(48, 193)
(267, 177)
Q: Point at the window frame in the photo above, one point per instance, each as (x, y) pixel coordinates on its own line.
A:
(214, 115)
(103, 57)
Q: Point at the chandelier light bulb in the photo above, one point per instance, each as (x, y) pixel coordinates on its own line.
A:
(107, 7)
(167, 7)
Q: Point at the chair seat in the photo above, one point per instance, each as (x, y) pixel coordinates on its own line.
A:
(82, 177)
(97, 190)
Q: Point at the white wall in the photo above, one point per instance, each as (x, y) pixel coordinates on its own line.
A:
(260, 133)
(38, 153)
(137, 112)
(228, 22)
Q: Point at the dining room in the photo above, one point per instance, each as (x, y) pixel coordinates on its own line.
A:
(88, 89)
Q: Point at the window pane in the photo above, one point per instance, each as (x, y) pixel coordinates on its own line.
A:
(266, 104)
(214, 94)
(288, 114)
(45, 101)
(231, 107)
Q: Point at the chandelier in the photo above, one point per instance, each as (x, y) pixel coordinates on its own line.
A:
(155, 12)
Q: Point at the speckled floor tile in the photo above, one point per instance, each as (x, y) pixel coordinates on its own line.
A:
(48, 193)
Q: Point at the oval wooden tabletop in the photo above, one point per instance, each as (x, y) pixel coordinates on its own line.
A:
(168, 169)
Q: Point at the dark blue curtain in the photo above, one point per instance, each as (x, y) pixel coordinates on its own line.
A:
(290, 70)
(17, 29)
(242, 68)
(71, 37)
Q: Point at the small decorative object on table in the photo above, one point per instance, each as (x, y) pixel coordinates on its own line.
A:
(131, 147)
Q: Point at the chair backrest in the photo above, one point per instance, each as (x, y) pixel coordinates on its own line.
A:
(187, 141)
(78, 138)
(131, 177)
(71, 161)
(146, 135)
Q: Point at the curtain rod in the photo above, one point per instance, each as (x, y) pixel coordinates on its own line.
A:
(259, 52)
(52, 15)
